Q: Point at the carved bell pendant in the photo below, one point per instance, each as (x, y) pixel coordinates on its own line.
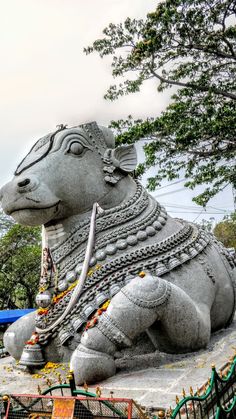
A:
(43, 299)
(32, 356)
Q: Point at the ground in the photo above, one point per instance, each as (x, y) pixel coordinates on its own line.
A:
(161, 378)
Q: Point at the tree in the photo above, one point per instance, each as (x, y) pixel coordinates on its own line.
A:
(6, 223)
(20, 256)
(225, 231)
(191, 46)
(206, 225)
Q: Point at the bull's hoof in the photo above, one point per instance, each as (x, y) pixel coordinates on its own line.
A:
(91, 366)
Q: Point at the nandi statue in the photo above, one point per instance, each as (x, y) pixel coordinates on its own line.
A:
(114, 265)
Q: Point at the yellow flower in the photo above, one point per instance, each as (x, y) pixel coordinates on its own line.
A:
(62, 294)
(37, 376)
(90, 272)
(105, 305)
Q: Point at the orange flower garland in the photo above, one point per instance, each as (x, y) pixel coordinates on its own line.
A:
(43, 311)
(93, 321)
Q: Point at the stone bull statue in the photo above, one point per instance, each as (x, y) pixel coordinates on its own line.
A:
(128, 270)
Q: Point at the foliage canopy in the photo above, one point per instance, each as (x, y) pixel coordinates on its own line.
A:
(189, 44)
(20, 256)
(6, 223)
(225, 231)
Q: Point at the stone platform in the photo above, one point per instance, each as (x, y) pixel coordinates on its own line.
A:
(160, 378)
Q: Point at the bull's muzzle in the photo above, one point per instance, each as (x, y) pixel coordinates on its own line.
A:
(19, 185)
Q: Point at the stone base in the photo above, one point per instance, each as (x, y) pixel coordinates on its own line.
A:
(152, 380)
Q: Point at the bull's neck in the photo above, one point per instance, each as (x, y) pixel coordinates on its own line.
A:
(57, 233)
(118, 229)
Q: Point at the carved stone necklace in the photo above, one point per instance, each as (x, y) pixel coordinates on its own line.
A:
(105, 282)
(129, 234)
(124, 222)
(108, 218)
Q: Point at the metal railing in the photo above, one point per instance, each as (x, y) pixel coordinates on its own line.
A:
(216, 399)
(86, 405)
(22, 406)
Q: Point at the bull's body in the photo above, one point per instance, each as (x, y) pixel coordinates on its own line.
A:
(186, 292)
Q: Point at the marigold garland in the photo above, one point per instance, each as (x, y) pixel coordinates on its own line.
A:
(43, 311)
(93, 321)
(58, 297)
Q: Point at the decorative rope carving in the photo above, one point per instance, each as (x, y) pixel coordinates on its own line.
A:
(112, 331)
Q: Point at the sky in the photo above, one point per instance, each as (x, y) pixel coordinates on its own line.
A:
(46, 80)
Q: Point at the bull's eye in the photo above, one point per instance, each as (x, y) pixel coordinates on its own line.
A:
(76, 148)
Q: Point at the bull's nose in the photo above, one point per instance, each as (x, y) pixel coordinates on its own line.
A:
(27, 184)
(23, 183)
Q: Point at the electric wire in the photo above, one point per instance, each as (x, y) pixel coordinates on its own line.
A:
(169, 193)
(172, 183)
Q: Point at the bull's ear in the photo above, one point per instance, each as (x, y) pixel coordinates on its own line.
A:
(124, 158)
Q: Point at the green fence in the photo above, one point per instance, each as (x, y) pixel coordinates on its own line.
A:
(215, 400)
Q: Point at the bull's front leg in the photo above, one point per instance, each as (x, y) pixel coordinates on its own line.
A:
(132, 311)
(93, 360)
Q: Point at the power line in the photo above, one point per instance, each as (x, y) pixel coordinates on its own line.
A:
(195, 208)
(198, 212)
(221, 209)
(170, 184)
(191, 206)
(234, 196)
(195, 219)
(170, 204)
(170, 193)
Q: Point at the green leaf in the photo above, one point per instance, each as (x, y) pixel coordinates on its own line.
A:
(192, 46)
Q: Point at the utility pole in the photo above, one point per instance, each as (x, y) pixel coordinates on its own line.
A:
(234, 197)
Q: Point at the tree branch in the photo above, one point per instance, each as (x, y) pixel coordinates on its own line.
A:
(199, 47)
(193, 86)
(209, 153)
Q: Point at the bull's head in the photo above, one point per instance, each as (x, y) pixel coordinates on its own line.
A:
(65, 173)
